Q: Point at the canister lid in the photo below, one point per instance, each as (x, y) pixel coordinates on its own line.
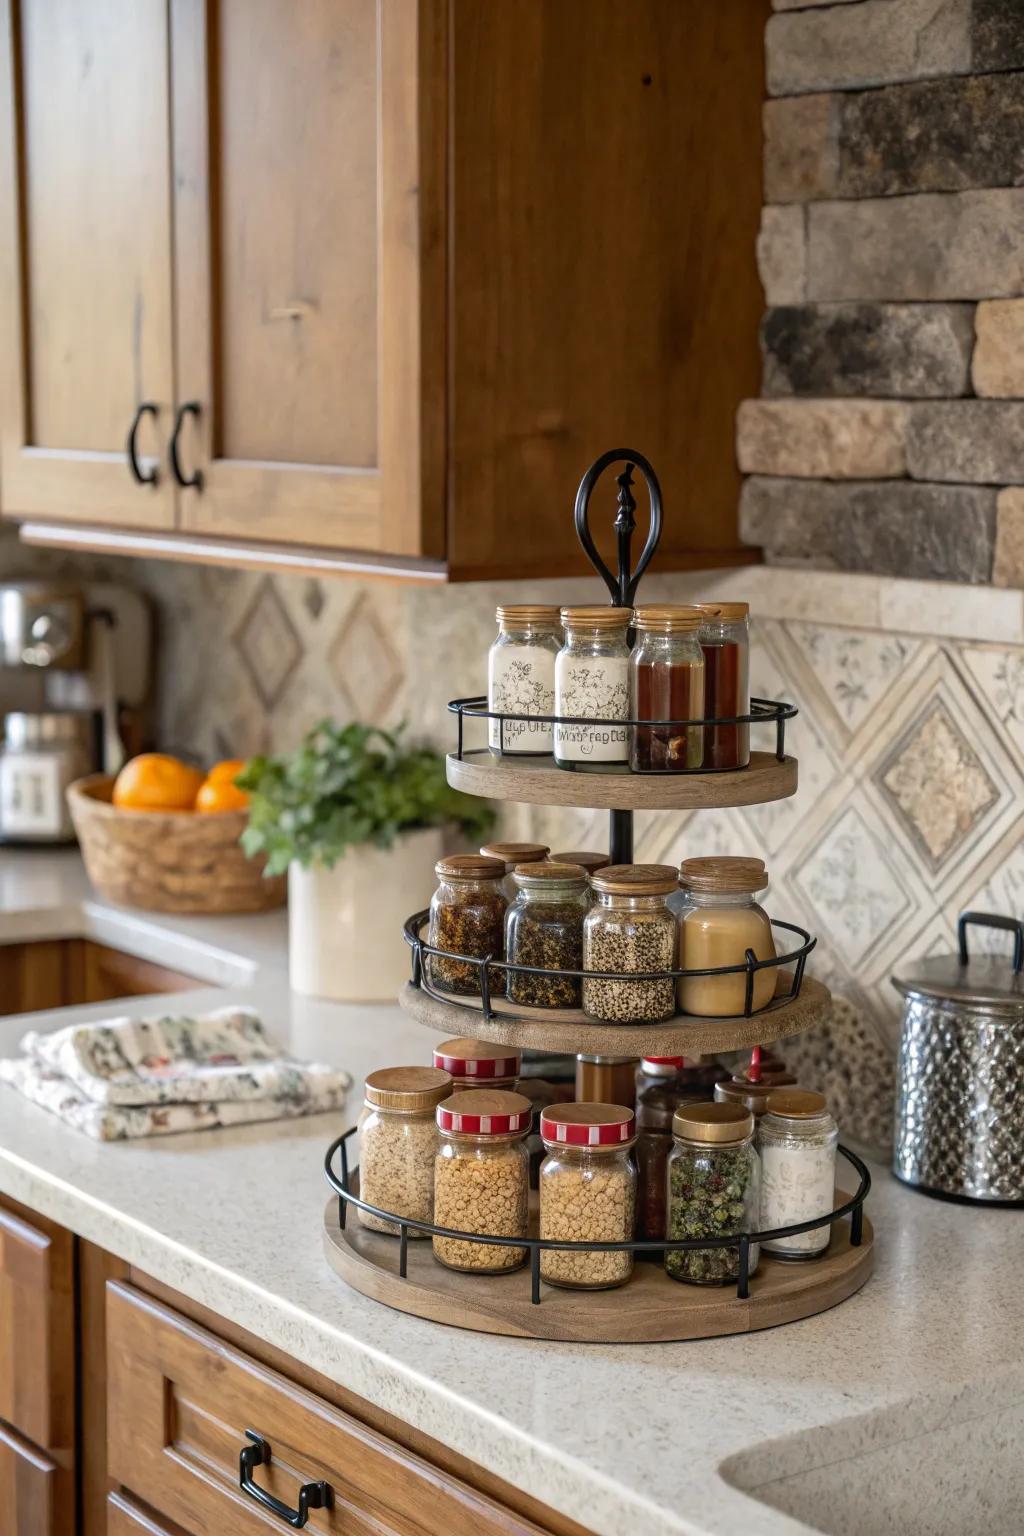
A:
(469, 866)
(797, 1103)
(726, 613)
(516, 853)
(464, 1057)
(485, 1112)
(667, 618)
(723, 874)
(587, 859)
(740, 1090)
(714, 1123)
(587, 1125)
(541, 875)
(597, 617)
(635, 879)
(988, 983)
(512, 614)
(407, 1088)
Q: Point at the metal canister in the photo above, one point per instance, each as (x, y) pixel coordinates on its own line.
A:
(960, 1093)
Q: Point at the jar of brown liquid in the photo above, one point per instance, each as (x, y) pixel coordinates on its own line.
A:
(666, 682)
(725, 642)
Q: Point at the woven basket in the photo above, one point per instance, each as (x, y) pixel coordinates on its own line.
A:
(168, 861)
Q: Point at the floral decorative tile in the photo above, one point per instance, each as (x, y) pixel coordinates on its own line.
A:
(855, 669)
(854, 885)
(999, 675)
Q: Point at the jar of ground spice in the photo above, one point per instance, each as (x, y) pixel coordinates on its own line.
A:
(521, 678)
(592, 685)
(467, 917)
(587, 1190)
(482, 1179)
(477, 1064)
(797, 1140)
(720, 922)
(512, 855)
(666, 682)
(725, 641)
(544, 927)
(630, 929)
(714, 1190)
(398, 1144)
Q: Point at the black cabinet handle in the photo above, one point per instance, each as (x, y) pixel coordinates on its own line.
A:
(311, 1495)
(195, 480)
(139, 475)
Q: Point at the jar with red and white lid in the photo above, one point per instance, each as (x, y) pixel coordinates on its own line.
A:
(478, 1064)
(587, 1193)
(482, 1179)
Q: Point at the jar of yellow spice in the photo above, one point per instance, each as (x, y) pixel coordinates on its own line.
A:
(587, 1193)
(718, 924)
(482, 1179)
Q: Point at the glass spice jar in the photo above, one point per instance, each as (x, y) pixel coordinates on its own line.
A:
(482, 1179)
(725, 641)
(592, 683)
(478, 1064)
(398, 1144)
(663, 1083)
(512, 855)
(587, 859)
(666, 682)
(797, 1140)
(521, 678)
(630, 929)
(718, 925)
(544, 927)
(467, 917)
(713, 1190)
(587, 1188)
(741, 1090)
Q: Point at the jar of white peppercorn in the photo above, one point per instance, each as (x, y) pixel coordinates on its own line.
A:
(477, 1064)
(630, 929)
(587, 1193)
(482, 1179)
(397, 1144)
(797, 1137)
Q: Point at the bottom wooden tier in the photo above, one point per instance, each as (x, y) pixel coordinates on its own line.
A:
(651, 1308)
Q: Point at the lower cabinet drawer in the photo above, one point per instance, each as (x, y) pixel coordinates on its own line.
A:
(28, 1488)
(125, 1518)
(37, 1330)
(180, 1404)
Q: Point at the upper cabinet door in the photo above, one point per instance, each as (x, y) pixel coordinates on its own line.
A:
(299, 132)
(85, 269)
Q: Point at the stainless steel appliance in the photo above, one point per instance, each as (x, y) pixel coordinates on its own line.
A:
(960, 1087)
(40, 756)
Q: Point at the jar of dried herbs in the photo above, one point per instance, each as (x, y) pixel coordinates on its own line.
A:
(714, 1190)
(587, 1187)
(467, 919)
(482, 1179)
(478, 1064)
(544, 928)
(398, 1143)
(630, 930)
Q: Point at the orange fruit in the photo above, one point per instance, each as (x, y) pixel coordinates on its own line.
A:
(227, 771)
(218, 795)
(156, 782)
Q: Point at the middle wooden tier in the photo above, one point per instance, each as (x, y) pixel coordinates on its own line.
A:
(538, 781)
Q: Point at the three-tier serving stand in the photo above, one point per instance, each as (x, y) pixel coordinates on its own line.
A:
(401, 1271)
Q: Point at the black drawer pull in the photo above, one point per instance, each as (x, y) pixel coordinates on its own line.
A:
(147, 408)
(190, 408)
(311, 1495)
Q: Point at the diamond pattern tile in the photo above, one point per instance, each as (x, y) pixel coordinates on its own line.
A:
(854, 885)
(268, 643)
(313, 598)
(999, 675)
(937, 783)
(365, 665)
(855, 670)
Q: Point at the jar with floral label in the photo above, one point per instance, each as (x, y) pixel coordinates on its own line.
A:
(713, 1190)
(482, 1179)
(478, 1064)
(512, 855)
(592, 684)
(630, 929)
(521, 678)
(797, 1139)
(398, 1144)
(544, 931)
(720, 922)
(467, 918)
(587, 1187)
(725, 641)
(666, 682)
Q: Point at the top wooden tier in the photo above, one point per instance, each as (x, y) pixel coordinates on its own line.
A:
(537, 781)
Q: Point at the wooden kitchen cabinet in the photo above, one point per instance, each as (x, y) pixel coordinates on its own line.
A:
(29, 1504)
(417, 263)
(62, 973)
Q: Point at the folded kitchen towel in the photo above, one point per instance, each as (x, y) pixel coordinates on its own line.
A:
(127, 1077)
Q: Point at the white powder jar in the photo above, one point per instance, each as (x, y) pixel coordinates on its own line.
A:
(521, 678)
(796, 1137)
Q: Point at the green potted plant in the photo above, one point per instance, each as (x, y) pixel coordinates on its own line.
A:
(358, 818)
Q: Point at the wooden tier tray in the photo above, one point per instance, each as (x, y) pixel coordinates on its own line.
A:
(650, 1308)
(537, 781)
(567, 1031)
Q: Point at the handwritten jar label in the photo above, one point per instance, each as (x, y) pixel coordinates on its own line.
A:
(521, 681)
(593, 688)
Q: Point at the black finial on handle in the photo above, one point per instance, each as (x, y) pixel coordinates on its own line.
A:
(623, 587)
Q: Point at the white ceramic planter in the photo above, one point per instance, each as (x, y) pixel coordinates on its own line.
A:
(345, 924)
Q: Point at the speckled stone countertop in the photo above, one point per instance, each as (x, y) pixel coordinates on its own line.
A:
(643, 1440)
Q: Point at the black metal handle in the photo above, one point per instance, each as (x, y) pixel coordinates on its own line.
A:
(992, 920)
(311, 1495)
(139, 475)
(195, 480)
(622, 588)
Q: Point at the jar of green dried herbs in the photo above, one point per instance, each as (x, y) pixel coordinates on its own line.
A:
(467, 918)
(713, 1190)
(544, 927)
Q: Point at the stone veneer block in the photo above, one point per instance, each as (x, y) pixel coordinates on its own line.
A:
(823, 439)
(801, 148)
(781, 255)
(998, 366)
(969, 441)
(997, 34)
(872, 43)
(1008, 564)
(955, 245)
(891, 528)
(910, 350)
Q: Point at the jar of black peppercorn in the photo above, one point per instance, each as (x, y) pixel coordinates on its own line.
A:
(630, 931)
(544, 927)
(467, 919)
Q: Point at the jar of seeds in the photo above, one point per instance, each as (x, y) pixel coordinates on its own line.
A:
(512, 855)
(467, 917)
(482, 1179)
(477, 1064)
(544, 927)
(398, 1143)
(630, 929)
(587, 1193)
(714, 1190)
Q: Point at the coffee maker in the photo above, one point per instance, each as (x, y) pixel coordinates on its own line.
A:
(74, 683)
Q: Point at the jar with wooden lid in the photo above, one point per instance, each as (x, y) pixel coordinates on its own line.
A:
(713, 1190)
(512, 855)
(740, 1089)
(587, 1187)
(725, 642)
(482, 1179)
(630, 929)
(666, 682)
(467, 917)
(478, 1064)
(521, 678)
(720, 922)
(398, 1144)
(592, 684)
(797, 1139)
(663, 1083)
(588, 859)
(544, 930)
